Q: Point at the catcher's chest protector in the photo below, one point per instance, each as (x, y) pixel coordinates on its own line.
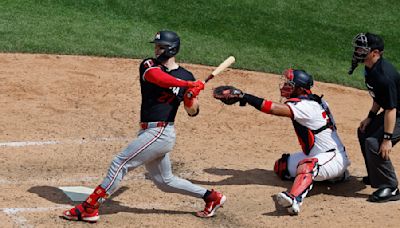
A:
(305, 135)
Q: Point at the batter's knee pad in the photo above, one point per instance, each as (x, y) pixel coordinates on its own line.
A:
(281, 167)
(307, 170)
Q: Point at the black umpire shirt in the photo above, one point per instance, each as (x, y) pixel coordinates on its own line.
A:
(383, 83)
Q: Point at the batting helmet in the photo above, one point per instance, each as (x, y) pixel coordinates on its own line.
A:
(170, 40)
(295, 78)
(364, 43)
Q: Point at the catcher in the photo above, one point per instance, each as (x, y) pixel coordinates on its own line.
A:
(323, 156)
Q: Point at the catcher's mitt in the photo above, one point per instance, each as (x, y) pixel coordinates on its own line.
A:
(228, 94)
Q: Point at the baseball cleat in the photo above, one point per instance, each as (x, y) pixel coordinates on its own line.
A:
(216, 201)
(80, 213)
(289, 202)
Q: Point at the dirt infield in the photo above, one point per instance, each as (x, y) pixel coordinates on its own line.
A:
(63, 118)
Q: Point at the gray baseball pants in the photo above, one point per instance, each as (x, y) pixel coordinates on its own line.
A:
(151, 148)
(380, 171)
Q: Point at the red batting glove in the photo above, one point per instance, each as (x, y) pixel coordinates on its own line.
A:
(195, 91)
(189, 95)
(197, 84)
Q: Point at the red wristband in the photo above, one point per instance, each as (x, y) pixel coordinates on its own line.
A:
(266, 106)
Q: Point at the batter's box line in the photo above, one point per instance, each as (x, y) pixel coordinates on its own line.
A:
(58, 142)
(21, 221)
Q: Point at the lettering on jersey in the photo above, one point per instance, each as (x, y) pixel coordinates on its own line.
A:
(175, 90)
(324, 115)
(148, 63)
(166, 97)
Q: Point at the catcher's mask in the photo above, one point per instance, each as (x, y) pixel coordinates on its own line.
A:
(292, 79)
(169, 41)
(364, 43)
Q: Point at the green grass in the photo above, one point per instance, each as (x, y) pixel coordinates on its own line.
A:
(263, 35)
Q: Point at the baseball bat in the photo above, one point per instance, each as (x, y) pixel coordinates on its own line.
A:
(225, 64)
(221, 67)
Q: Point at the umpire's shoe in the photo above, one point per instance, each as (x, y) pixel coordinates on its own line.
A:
(287, 200)
(214, 201)
(384, 195)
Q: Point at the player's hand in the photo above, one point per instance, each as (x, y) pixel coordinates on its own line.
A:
(364, 124)
(197, 84)
(192, 92)
(385, 149)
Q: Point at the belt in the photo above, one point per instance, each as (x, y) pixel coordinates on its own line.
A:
(146, 125)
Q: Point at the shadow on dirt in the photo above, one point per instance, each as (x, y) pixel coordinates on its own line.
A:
(111, 206)
(348, 188)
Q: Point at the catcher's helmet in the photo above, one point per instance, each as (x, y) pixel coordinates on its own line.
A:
(295, 79)
(364, 43)
(170, 40)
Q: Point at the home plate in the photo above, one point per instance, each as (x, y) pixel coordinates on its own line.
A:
(77, 193)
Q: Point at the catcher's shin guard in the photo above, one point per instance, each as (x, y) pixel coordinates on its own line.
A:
(307, 170)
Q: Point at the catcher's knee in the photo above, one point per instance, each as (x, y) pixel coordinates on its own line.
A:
(308, 166)
(281, 167)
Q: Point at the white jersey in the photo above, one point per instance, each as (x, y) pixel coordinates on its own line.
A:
(310, 114)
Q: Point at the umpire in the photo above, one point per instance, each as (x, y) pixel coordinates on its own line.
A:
(379, 132)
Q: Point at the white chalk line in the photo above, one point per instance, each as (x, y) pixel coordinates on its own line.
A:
(57, 142)
(57, 181)
(20, 221)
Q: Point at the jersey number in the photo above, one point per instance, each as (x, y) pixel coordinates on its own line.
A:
(166, 98)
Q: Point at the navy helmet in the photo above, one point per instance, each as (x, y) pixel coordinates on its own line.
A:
(295, 79)
(170, 41)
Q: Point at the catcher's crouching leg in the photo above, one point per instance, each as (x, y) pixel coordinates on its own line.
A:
(307, 170)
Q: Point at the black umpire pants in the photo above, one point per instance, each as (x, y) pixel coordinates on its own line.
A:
(380, 171)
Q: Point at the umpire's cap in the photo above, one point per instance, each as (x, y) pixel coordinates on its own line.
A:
(368, 40)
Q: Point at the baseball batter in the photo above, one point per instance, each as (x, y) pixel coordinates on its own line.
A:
(323, 156)
(164, 85)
